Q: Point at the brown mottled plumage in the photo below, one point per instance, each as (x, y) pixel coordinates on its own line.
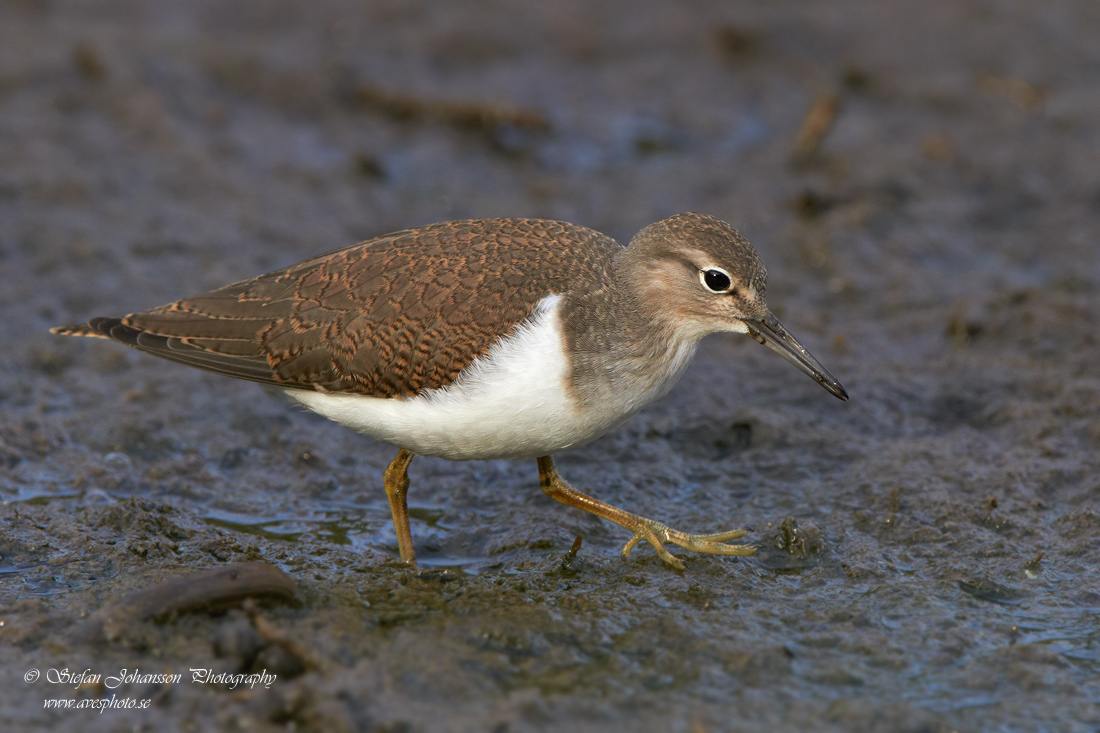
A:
(390, 317)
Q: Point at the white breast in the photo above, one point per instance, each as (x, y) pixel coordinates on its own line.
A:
(512, 403)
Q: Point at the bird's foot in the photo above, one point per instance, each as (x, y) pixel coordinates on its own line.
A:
(644, 529)
(657, 534)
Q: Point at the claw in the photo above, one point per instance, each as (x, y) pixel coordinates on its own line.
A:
(656, 534)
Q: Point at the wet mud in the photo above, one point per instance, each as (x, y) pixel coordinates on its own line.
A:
(920, 181)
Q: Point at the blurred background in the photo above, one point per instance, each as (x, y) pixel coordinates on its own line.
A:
(921, 180)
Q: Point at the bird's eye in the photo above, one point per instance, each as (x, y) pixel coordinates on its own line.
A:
(715, 280)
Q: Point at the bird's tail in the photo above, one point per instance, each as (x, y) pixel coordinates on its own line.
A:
(83, 329)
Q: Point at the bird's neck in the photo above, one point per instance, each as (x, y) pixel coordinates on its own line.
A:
(624, 345)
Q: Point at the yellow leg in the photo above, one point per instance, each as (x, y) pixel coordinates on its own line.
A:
(644, 529)
(396, 480)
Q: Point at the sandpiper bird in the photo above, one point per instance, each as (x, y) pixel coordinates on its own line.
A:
(490, 338)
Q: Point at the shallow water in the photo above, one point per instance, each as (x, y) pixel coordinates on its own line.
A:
(926, 551)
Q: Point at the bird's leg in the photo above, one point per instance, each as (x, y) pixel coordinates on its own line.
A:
(644, 529)
(396, 480)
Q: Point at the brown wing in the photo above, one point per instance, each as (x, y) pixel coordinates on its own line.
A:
(392, 316)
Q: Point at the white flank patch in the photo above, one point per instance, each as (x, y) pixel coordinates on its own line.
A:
(510, 404)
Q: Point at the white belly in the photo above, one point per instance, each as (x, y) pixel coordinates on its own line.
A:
(513, 403)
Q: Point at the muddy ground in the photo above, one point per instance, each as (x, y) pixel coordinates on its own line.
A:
(920, 179)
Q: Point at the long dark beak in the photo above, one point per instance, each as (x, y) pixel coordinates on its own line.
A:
(770, 332)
